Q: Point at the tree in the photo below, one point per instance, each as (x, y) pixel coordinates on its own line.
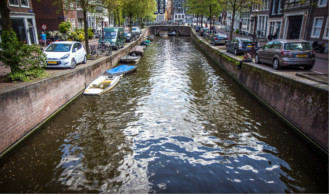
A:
(5, 16)
(135, 9)
(85, 5)
(237, 6)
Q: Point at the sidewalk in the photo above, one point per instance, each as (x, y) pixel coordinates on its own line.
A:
(323, 56)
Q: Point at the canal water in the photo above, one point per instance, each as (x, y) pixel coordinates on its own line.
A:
(177, 125)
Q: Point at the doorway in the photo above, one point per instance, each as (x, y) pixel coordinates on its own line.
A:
(294, 27)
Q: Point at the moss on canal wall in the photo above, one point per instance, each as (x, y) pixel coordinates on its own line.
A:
(303, 104)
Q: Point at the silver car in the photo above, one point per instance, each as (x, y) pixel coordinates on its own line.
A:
(282, 53)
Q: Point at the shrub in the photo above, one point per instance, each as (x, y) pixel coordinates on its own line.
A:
(64, 27)
(25, 61)
(90, 33)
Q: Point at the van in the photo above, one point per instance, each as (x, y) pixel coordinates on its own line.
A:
(114, 35)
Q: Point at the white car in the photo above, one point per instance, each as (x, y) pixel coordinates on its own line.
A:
(136, 30)
(65, 54)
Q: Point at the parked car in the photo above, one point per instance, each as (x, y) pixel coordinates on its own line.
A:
(239, 45)
(114, 35)
(136, 30)
(202, 30)
(206, 34)
(219, 39)
(128, 37)
(287, 53)
(65, 54)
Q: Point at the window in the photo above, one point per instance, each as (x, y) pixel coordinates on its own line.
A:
(277, 45)
(317, 26)
(322, 3)
(279, 7)
(268, 45)
(326, 30)
(25, 3)
(73, 23)
(273, 8)
(13, 2)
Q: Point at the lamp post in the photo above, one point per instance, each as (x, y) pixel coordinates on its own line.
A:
(253, 50)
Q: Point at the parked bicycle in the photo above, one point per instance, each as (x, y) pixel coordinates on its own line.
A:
(104, 49)
(93, 50)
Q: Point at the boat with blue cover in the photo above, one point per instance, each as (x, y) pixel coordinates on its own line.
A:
(121, 70)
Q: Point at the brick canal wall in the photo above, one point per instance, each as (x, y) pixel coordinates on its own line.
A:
(25, 106)
(302, 103)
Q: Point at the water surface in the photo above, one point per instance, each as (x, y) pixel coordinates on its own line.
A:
(177, 125)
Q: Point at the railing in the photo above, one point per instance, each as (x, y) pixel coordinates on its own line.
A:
(295, 5)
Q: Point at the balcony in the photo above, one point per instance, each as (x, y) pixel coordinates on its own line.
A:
(295, 5)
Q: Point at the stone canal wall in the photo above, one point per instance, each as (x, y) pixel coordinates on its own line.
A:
(302, 103)
(25, 106)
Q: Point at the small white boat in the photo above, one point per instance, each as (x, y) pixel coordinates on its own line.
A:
(102, 84)
(130, 59)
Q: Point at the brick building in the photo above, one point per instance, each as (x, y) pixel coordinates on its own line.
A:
(52, 15)
(23, 21)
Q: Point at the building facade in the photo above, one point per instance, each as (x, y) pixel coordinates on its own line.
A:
(178, 10)
(285, 19)
(23, 21)
(161, 9)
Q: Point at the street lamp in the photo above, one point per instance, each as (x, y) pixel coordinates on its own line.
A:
(253, 50)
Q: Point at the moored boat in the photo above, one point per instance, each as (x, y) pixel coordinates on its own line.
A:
(173, 33)
(121, 70)
(130, 59)
(138, 50)
(102, 84)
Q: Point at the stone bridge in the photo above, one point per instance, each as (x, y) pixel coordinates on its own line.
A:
(180, 30)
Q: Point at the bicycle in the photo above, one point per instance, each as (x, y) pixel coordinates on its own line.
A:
(104, 48)
(93, 50)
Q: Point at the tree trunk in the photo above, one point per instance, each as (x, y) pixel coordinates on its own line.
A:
(86, 31)
(232, 24)
(5, 15)
(210, 17)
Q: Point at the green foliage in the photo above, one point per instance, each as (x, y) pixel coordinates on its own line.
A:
(25, 61)
(9, 50)
(90, 33)
(64, 27)
(27, 75)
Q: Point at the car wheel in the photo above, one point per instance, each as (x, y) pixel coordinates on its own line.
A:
(276, 64)
(308, 67)
(257, 61)
(235, 52)
(85, 60)
(73, 64)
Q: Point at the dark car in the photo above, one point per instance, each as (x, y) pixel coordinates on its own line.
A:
(128, 37)
(198, 28)
(202, 30)
(219, 39)
(239, 45)
(280, 53)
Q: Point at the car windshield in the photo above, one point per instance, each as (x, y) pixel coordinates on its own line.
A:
(246, 40)
(297, 46)
(59, 47)
(110, 35)
(134, 28)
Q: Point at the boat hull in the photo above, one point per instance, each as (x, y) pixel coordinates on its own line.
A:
(102, 84)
